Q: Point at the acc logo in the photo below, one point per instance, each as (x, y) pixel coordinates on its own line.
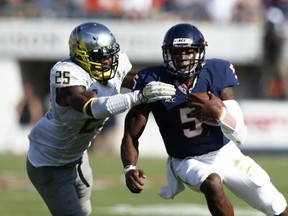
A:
(182, 41)
(170, 100)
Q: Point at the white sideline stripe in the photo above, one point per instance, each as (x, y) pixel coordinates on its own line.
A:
(174, 209)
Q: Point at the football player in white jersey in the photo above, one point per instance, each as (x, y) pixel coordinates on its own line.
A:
(84, 93)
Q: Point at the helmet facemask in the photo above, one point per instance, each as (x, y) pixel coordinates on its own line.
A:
(104, 62)
(183, 63)
(183, 66)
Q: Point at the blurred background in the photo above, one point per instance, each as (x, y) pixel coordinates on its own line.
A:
(252, 34)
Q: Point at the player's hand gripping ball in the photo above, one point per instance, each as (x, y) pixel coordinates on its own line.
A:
(206, 107)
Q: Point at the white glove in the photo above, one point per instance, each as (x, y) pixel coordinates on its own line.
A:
(155, 91)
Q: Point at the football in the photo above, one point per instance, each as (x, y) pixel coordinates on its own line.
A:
(204, 95)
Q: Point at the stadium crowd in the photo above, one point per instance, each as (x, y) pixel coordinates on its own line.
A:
(197, 10)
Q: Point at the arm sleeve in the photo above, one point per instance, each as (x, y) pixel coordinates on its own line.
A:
(103, 107)
(232, 123)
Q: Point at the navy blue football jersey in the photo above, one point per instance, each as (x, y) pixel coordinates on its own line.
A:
(185, 136)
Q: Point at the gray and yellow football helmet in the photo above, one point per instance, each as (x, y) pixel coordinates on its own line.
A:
(94, 48)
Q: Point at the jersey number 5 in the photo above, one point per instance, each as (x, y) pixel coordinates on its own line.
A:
(195, 126)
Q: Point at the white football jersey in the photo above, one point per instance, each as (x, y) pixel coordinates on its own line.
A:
(63, 134)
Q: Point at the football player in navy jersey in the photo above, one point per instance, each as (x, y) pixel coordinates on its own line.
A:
(200, 133)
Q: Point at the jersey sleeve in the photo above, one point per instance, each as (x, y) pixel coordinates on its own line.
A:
(125, 64)
(220, 74)
(141, 79)
(63, 75)
(230, 74)
(149, 74)
(123, 68)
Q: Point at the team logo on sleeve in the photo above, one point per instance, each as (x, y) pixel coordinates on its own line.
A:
(170, 100)
(233, 70)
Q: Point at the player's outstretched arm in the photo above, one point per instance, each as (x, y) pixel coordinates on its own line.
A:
(102, 107)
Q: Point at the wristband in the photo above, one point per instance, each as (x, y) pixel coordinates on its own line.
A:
(128, 168)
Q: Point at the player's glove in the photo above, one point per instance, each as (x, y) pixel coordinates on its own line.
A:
(155, 91)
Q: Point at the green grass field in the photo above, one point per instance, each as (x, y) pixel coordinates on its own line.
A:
(111, 197)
